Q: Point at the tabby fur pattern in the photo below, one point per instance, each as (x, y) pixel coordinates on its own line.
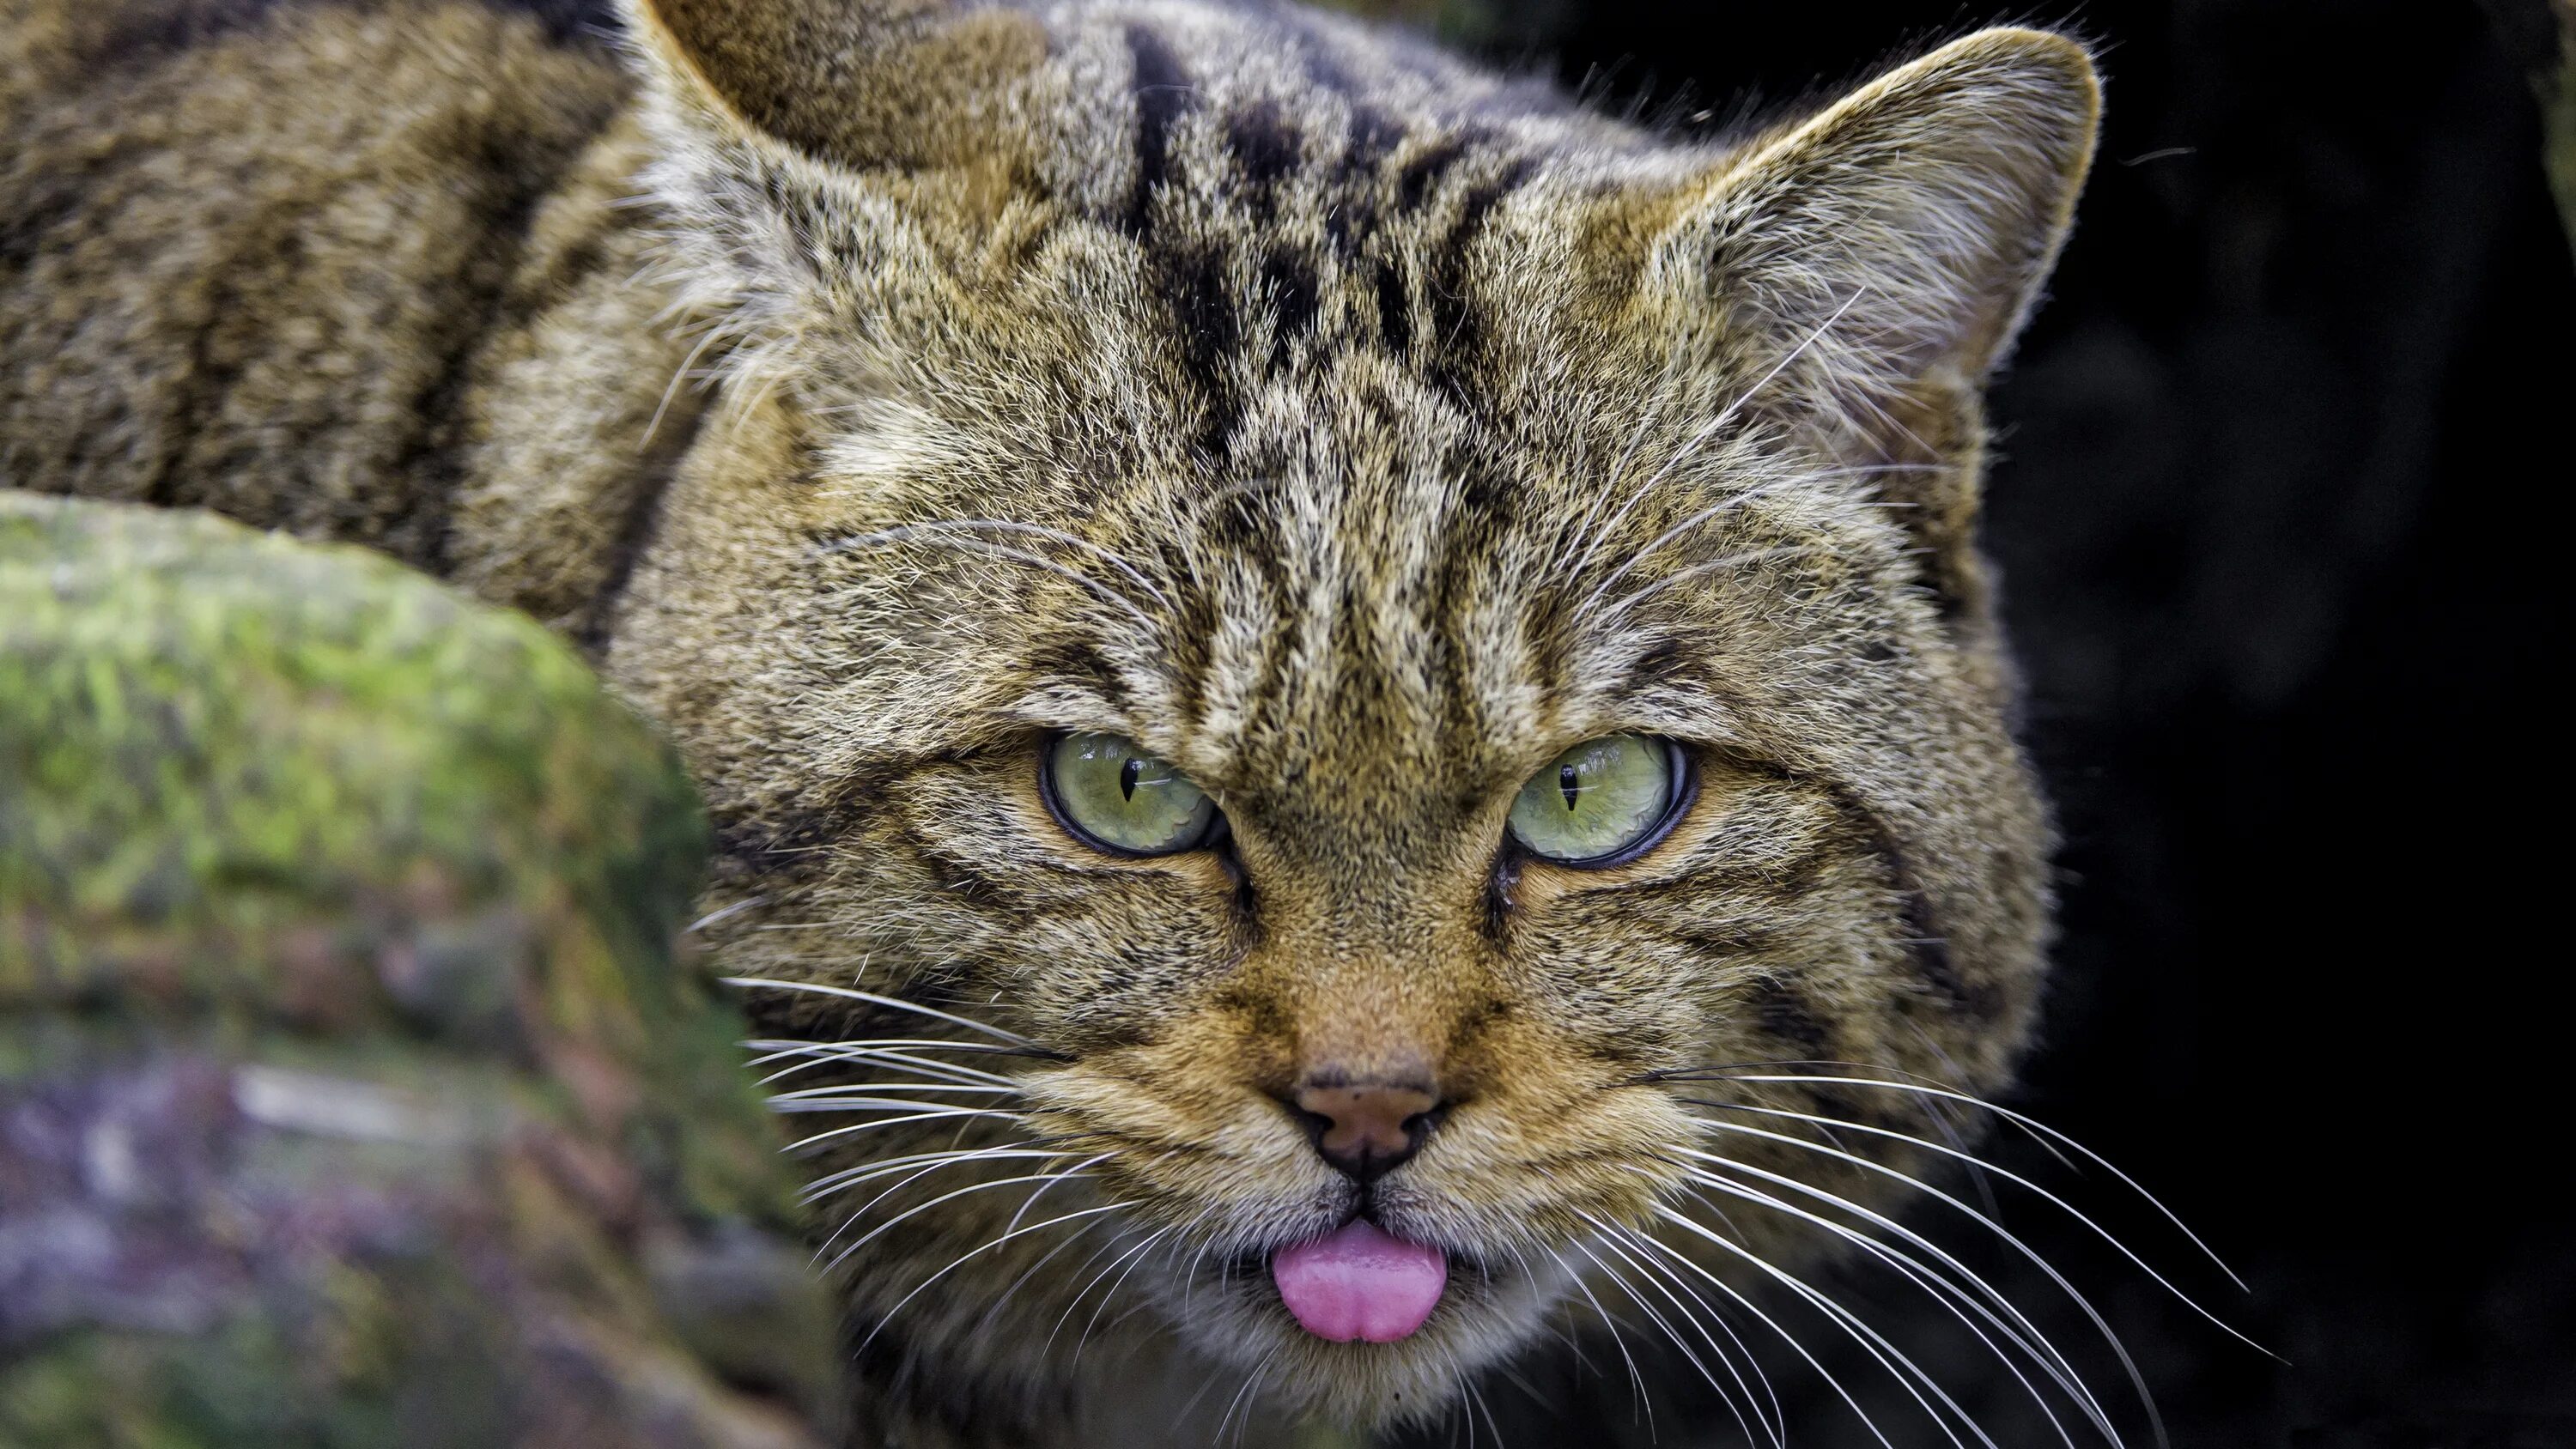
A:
(878, 387)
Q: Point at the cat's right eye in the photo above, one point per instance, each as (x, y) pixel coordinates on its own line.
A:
(1111, 795)
(1602, 802)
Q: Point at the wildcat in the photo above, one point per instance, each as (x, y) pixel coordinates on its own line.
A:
(1307, 658)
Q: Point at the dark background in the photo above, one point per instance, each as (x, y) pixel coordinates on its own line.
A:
(2280, 516)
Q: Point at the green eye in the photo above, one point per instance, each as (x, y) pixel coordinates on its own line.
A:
(1115, 796)
(1599, 801)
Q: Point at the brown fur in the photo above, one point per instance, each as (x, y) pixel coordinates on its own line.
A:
(1352, 428)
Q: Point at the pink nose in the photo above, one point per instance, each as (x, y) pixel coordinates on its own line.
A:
(1366, 1129)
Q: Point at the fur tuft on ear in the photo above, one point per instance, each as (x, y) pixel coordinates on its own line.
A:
(860, 84)
(1898, 238)
(1857, 276)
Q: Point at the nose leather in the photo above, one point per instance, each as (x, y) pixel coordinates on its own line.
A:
(1367, 1129)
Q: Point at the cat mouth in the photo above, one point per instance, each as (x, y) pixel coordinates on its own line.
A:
(1360, 1283)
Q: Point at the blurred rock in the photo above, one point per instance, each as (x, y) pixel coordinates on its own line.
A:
(352, 1091)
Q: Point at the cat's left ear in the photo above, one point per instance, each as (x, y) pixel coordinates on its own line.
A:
(1894, 242)
(856, 85)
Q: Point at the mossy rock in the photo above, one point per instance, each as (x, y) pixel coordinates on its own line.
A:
(356, 1087)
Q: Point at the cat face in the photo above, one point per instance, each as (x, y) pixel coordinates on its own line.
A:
(1370, 632)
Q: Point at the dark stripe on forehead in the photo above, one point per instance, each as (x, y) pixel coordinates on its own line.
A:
(1394, 310)
(1163, 94)
(1266, 147)
(1415, 182)
(1207, 331)
(1352, 213)
(1374, 137)
(1457, 328)
(1294, 302)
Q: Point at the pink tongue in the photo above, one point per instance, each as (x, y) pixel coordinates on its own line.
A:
(1360, 1283)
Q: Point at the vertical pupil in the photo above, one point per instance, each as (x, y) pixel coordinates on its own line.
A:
(1570, 781)
(1128, 774)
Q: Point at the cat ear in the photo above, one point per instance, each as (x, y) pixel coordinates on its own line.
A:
(1893, 243)
(859, 84)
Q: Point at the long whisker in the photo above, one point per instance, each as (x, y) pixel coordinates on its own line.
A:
(1796, 1346)
(1871, 1341)
(1636, 1380)
(1971, 1159)
(895, 1003)
(993, 1312)
(1679, 1340)
(881, 1229)
(1259, 1370)
(988, 1246)
(2063, 1370)
(1778, 1423)
(2027, 1338)
(879, 1124)
(806, 1059)
(1476, 1396)
(1112, 1245)
(820, 1099)
(1776, 1426)
(850, 1177)
(1068, 1175)
(895, 1050)
(2025, 1122)
(804, 1093)
(929, 1163)
(1133, 1261)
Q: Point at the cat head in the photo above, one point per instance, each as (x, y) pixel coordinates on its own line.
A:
(1387, 639)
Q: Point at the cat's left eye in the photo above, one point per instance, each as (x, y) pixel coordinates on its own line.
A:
(1112, 795)
(1601, 802)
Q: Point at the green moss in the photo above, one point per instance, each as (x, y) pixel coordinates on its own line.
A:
(337, 957)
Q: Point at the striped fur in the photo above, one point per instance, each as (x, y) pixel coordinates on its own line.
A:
(879, 387)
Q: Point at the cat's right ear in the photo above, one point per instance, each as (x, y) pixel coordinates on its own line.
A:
(854, 84)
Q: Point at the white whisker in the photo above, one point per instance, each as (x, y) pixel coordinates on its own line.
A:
(1679, 1341)
(1134, 1259)
(1871, 1341)
(992, 1312)
(850, 1177)
(881, 1229)
(1636, 1380)
(1747, 1304)
(805, 1093)
(966, 1113)
(2027, 1338)
(871, 998)
(1068, 1175)
(2026, 1123)
(2005, 1173)
(1773, 1428)
(961, 1260)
